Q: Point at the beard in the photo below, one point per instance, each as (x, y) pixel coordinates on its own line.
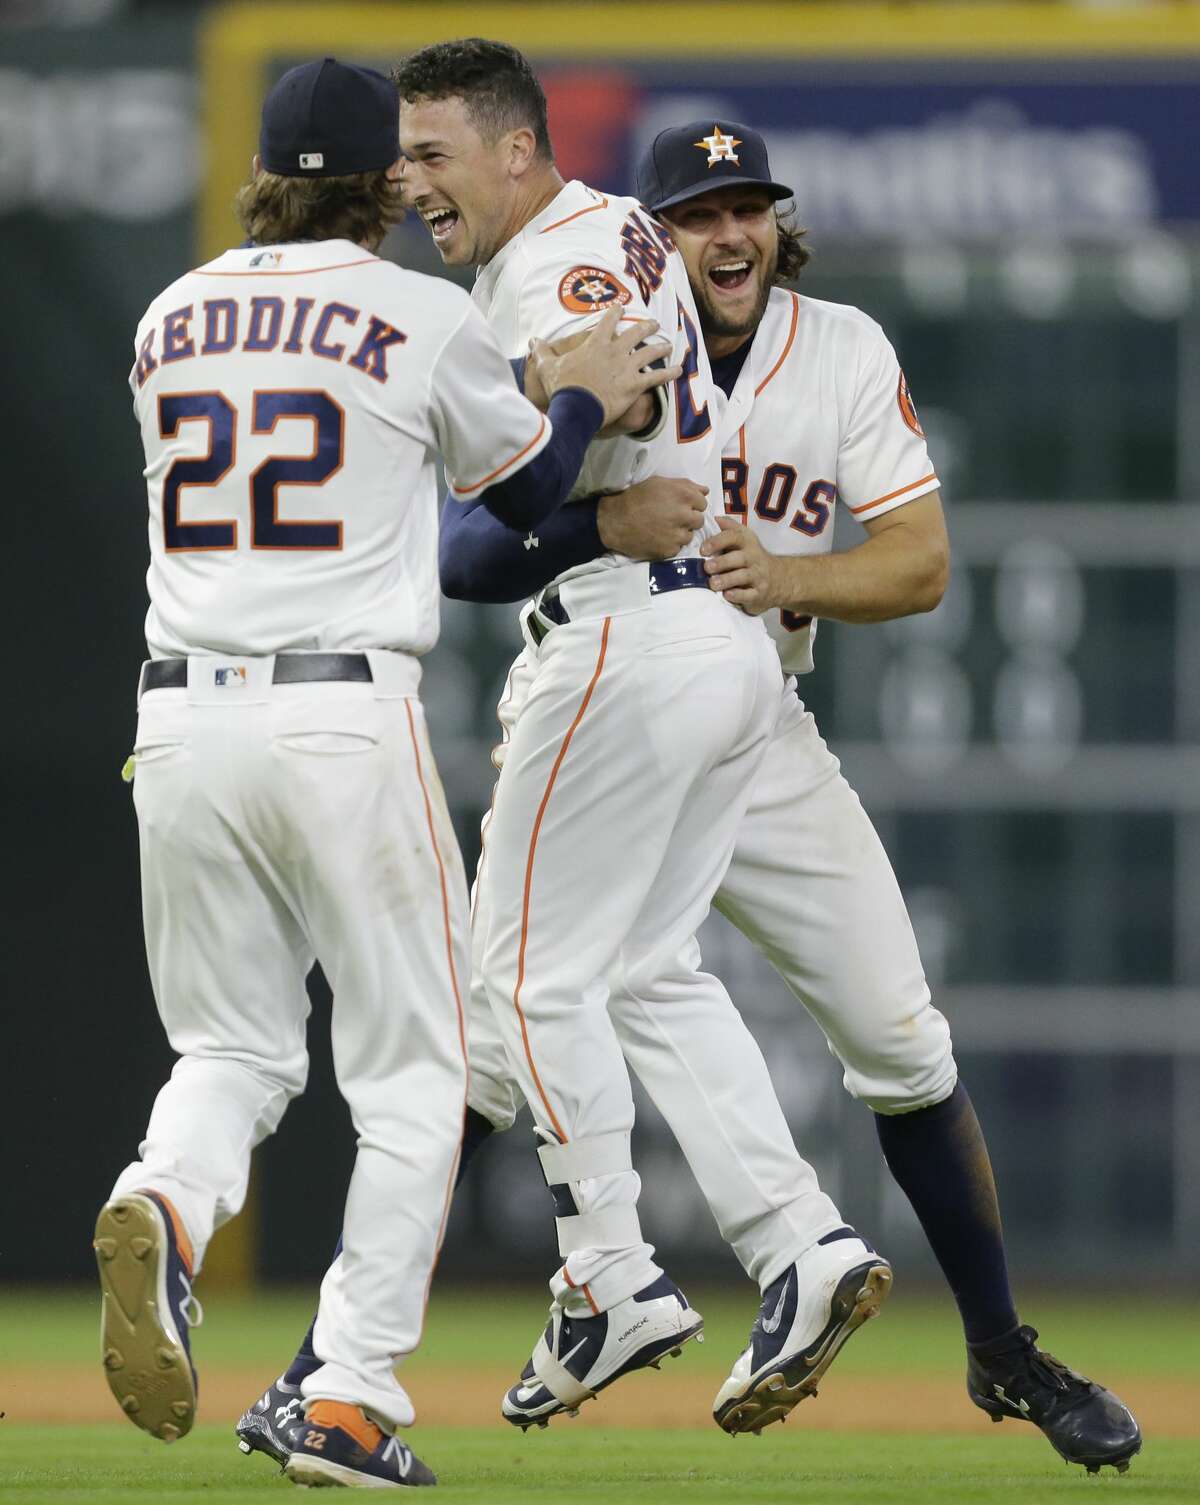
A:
(716, 321)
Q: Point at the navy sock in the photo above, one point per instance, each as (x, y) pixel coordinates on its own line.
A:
(476, 1129)
(939, 1158)
(306, 1361)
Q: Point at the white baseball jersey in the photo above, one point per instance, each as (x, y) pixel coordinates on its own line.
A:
(293, 510)
(585, 251)
(820, 414)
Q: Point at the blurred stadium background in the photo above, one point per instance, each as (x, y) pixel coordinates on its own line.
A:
(1011, 189)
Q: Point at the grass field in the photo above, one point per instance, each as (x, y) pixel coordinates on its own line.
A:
(892, 1423)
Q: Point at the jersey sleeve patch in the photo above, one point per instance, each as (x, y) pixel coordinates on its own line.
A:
(907, 411)
(584, 290)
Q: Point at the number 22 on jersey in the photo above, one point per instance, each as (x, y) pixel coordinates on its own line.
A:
(267, 529)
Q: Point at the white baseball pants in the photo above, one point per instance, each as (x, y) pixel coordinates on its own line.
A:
(811, 885)
(280, 823)
(623, 784)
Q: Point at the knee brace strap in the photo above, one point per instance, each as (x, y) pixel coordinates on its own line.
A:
(614, 1226)
(594, 1155)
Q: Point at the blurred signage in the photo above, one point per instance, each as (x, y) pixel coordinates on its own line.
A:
(900, 124)
(117, 143)
(1090, 160)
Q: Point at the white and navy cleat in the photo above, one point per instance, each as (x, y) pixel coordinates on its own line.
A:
(578, 1356)
(337, 1444)
(807, 1313)
(264, 1428)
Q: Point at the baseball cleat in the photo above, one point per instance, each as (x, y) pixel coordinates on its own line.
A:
(1084, 1423)
(145, 1264)
(264, 1428)
(339, 1444)
(805, 1317)
(578, 1356)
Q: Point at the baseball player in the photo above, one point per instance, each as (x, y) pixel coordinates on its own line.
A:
(650, 705)
(293, 397)
(818, 413)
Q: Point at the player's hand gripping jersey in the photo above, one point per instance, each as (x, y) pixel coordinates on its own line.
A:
(820, 414)
(288, 513)
(584, 252)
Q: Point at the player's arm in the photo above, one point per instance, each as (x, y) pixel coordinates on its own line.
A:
(480, 558)
(900, 568)
(497, 447)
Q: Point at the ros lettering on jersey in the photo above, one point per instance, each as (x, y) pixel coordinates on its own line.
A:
(224, 325)
(774, 496)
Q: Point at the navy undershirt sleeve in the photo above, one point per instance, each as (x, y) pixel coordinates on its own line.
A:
(528, 496)
(482, 559)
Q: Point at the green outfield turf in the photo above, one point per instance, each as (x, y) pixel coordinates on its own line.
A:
(920, 1333)
(105, 1464)
(916, 1343)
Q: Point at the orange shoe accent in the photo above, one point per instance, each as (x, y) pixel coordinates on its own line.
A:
(187, 1253)
(347, 1418)
(533, 841)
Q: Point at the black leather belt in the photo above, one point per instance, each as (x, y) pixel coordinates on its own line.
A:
(290, 669)
(667, 575)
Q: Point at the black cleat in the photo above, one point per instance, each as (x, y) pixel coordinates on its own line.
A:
(1083, 1422)
(265, 1426)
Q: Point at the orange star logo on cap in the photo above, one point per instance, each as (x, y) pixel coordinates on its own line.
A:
(720, 147)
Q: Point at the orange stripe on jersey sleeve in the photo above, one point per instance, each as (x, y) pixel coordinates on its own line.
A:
(892, 495)
(787, 348)
(500, 469)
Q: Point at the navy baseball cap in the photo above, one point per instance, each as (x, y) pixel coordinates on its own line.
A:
(690, 159)
(328, 119)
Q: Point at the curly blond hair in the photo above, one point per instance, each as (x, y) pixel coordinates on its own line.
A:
(361, 207)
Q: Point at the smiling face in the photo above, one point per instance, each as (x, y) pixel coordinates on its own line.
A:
(459, 183)
(729, 240)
